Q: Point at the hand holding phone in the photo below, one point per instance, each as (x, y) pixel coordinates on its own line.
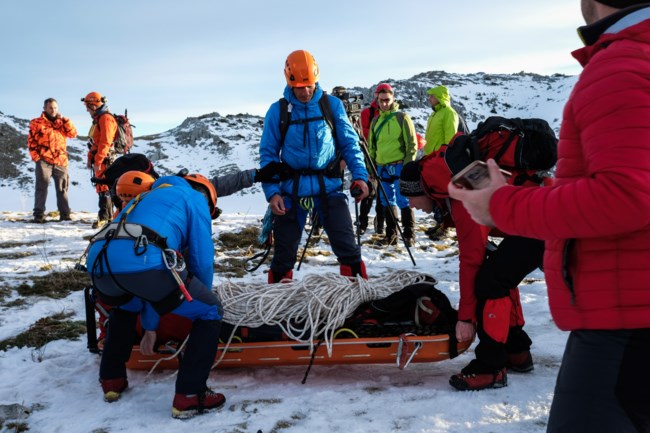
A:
(475, 176)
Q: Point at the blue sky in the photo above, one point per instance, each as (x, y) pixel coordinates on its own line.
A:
(168, 60)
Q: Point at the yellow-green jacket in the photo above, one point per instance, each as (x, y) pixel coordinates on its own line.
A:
(443, 123)
(392, 142)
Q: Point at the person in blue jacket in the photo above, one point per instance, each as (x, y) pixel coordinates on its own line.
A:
(157, 257)
(310, 150)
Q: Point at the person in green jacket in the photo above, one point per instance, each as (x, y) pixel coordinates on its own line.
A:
(443, 123)
(393, 143)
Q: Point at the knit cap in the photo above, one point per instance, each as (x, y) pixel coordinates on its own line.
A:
(620, 4)
(409, 180)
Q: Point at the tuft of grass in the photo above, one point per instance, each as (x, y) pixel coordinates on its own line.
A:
(16, 255)
(47, 329)
(21, 244)
(230, 267)
(56, 284)
(243, 239)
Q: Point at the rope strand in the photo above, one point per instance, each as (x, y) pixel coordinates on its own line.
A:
(310, 309)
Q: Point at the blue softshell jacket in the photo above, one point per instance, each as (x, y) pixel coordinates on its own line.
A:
(310, 145)
(176, 211)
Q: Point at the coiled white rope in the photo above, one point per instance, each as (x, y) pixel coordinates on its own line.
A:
(309, 309)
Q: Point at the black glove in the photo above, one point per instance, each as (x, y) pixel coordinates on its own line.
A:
(273, 172)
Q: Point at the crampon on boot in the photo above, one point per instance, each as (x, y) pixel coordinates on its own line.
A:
(477, 376)
(188, 405)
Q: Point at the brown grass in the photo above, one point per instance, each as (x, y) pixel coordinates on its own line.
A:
(47, 329)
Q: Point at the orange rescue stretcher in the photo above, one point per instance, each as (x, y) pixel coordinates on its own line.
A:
(401, 350)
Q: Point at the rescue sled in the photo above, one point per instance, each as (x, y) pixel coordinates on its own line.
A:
(400, 350)
(413, 324)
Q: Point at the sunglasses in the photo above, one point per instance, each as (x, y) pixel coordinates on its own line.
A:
(384, 101)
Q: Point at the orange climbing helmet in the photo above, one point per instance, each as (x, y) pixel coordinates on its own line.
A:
(132, 183)
(301, 69)
(93, 100)
(204, 186)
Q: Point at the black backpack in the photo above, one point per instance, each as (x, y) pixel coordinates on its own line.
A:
(515, 144)
(420, 306)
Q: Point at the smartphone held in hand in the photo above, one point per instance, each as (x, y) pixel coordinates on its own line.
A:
(475, 176)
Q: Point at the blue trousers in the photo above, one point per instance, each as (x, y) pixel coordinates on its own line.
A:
(389, 175)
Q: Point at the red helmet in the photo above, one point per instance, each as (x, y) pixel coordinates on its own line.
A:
(383, 87)
(301, 69)
(205, 187)
(93, 100)
(132, 183)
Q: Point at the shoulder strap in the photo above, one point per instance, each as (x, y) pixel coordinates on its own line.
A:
(326, 111)
(379, 128)
(400, 118)
(285, 118)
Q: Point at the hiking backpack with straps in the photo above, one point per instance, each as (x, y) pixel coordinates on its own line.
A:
(526, 147)
(123, 141)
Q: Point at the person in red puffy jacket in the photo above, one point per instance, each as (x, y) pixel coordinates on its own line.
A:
(595, 219)
(46, 143)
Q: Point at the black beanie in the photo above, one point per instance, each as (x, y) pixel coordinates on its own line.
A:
(620, 4)
(409, 180)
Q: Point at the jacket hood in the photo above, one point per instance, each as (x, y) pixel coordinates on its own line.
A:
(442, 95)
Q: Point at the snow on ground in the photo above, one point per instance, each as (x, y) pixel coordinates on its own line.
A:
(59, 382)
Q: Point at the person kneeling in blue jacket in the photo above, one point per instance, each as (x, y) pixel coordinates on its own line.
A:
(156, 258)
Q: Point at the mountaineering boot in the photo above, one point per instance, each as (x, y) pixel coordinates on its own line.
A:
(391, 229)
(521, 362)
(354, 270)
(188, 405)
(39, 219)
(65, 217)
(113, 388)
(476, 376)
(276, 277)
(408, 225)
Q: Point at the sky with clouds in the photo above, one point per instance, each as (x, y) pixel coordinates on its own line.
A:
(167, 60)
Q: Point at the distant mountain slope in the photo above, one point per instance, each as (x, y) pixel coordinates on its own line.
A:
(213, 144)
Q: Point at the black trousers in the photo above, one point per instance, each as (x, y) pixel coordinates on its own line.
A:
(199, 355)
(604, 383)
(337, 222)
(496, 283)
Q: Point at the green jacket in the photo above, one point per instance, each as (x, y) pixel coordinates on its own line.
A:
(392, 142)
(443, 123)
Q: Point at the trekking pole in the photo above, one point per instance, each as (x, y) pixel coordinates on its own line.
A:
(356, 193)
(314, 223)
(363, 145)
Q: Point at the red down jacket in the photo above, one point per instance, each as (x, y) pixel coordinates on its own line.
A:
(596, 216)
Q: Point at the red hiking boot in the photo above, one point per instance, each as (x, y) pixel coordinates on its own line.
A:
(188, 405)
(113, 388)
(521, 362)
(476, 376)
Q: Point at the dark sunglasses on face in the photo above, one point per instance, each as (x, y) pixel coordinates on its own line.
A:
(384, 101)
